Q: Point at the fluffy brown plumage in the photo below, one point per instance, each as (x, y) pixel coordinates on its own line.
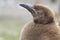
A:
(43, 25)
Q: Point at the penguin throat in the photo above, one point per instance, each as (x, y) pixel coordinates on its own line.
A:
(43, 21)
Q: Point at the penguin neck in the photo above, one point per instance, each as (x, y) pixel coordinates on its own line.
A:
(44, 23)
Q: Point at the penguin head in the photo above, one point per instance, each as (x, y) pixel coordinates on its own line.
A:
(41, 13)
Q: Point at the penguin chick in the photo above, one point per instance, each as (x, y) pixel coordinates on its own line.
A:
(43, 25)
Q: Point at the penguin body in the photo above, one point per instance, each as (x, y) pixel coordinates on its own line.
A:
(43, 25)
(32, 31)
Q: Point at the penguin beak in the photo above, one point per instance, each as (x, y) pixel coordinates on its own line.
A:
(29, 8)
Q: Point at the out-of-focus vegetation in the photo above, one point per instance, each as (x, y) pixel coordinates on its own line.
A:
(10, 30)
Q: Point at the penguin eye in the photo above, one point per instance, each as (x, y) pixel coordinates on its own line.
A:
(40, 13)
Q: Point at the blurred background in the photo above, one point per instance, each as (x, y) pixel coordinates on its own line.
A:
(13, 17)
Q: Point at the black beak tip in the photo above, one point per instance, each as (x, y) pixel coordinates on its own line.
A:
(23, 5)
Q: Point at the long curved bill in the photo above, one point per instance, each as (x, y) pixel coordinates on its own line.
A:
(28, 8)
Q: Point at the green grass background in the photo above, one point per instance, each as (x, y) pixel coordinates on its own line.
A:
(10, 30)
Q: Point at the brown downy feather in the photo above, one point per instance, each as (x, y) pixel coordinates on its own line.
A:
(43, 25)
